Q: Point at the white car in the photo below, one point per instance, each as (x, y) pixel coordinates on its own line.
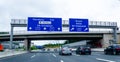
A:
(65, 50)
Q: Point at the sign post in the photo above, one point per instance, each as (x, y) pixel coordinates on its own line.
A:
(78, 25)
(44, 24)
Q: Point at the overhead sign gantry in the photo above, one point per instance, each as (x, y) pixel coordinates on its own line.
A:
(57, 26)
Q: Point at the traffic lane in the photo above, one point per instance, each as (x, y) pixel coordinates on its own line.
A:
(102, 56)
(32, 57)
(77, 58)
(55, 57)
(22, 57)
(43, 57)
(94, 57)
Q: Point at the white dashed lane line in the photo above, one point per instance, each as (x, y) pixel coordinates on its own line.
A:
(104, 60)
(54, 55)
(76, 54)
(61, 61)
(33, 56)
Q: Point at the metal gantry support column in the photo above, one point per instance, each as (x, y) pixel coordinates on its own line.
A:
(11, 36)
(115, 35)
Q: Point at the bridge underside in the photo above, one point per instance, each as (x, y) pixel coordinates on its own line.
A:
(58, 36)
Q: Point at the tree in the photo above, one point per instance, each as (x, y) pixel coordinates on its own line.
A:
(70, 41)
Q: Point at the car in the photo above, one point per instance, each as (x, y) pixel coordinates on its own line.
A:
(65, 50)
(112, 49)
(83, 50)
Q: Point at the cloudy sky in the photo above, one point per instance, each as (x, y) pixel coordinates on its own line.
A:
(94, 10)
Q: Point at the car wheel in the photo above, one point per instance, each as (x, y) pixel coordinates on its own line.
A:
(114, 53)
(105, 53)
(59, 53)
(80, 53)
(76, 53)
(89, 53)
(70, 53)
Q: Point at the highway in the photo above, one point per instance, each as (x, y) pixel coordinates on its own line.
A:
(55, 57)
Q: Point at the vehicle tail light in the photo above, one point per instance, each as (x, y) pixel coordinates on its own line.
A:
(82, 48)
(63, 50)
(89, 49)
(117, 48)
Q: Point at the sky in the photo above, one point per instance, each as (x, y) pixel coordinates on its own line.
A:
(94, 10)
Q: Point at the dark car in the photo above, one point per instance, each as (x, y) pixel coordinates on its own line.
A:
(83, 50)
(112, 49)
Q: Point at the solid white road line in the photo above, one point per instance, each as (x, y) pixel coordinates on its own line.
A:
(54, 55)
(61, 61)
(33, 56)
(105, 60)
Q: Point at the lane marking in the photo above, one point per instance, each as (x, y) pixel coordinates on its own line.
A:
(105, 60)
(33, 56)
(3, 58)
(76, 54)
(54, 55)
(61, 61)
(97, 54)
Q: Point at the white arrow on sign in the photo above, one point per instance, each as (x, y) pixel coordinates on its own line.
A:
(30, 28)
(58, 28)
(86, 29)
(72, 28)
(44, 28)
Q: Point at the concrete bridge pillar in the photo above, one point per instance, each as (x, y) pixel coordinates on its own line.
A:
(27, 44)
(118, 38)
(107, 40)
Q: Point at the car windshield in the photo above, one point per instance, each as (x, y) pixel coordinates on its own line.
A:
(84, 46)
(117, 46)
(65, 46)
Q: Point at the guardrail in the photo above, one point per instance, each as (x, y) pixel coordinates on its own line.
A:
(99, 23)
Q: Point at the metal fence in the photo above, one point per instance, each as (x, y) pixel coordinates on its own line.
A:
(99, 23)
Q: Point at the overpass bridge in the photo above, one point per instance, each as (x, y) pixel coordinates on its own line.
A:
(103, 36)
(27, 37)
(54, 35)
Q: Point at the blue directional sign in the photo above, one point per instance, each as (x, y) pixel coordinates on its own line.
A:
(44, 24)
(78, 25)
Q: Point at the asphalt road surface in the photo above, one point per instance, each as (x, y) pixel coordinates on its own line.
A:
(55, 57)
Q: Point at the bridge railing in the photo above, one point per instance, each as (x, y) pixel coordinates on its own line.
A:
(18, 21)
(99, 23)
(43, 32)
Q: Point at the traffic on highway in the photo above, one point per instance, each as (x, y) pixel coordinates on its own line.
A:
(38, 56)
(59, 31)
(64, 53)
